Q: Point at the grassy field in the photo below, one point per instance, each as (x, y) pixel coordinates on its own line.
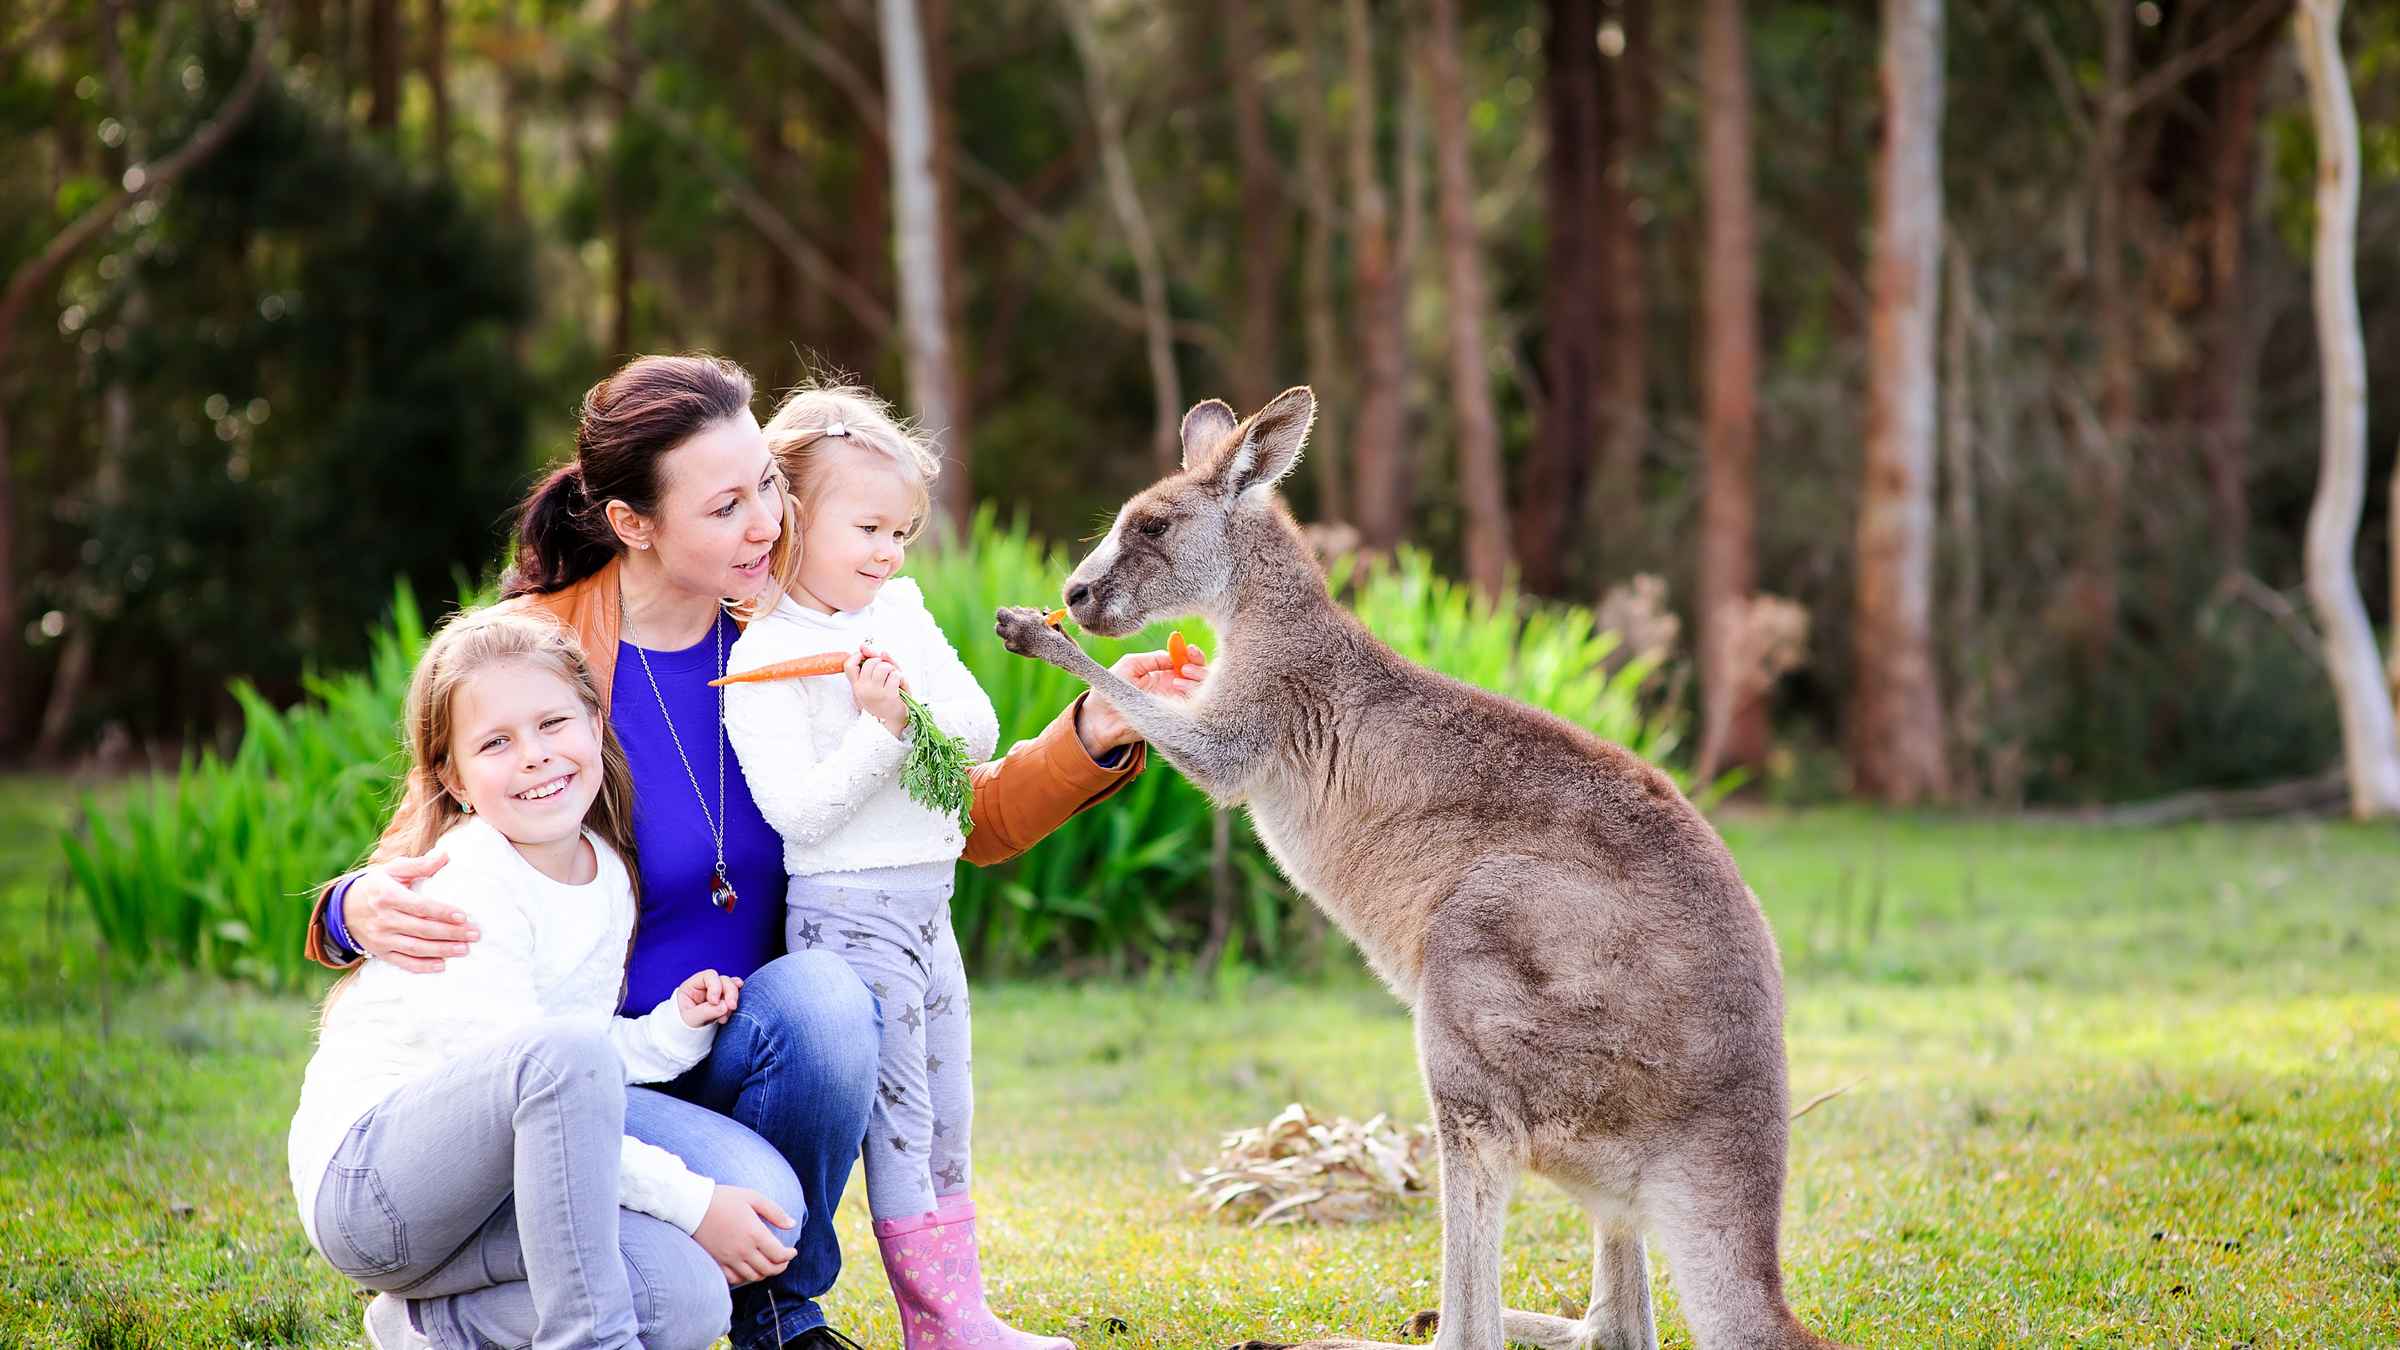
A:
(2103, 1089)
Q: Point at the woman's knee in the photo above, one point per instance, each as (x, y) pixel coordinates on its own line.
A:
(680, 1298)
(816, 1000)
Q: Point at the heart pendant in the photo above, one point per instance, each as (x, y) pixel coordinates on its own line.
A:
(720, 892)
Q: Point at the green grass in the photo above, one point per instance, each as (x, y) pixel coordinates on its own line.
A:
(2105, 1089)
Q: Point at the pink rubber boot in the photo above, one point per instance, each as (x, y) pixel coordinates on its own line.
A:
(937, 1279)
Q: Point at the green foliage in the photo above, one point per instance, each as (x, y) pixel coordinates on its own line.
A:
(312, 344)
(213, 868)
(935, 773)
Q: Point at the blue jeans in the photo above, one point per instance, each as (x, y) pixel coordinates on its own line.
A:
(779, 1106)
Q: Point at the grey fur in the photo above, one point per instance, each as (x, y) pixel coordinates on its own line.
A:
(1597, 995)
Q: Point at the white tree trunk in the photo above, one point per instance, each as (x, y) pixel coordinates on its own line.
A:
(917, 244)
(2369, 749)
(1897, 742)
(1116, 171)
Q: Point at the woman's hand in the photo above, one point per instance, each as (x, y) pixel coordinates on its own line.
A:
(733, 1236)
(707, 997)
(875, 682)
(391, 922)
(1102, 728)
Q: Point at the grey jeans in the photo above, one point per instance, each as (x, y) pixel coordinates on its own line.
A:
(485, 1193)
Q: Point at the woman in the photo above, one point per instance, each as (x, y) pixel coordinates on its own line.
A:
(671, 507)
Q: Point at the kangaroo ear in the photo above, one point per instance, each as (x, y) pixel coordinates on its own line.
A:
(1205, 428)
(1270, 442)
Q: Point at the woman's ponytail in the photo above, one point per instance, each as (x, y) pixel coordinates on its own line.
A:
(561, 538)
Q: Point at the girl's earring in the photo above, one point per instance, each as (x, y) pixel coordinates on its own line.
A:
(466, 806)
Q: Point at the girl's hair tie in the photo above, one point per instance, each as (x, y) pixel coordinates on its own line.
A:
(837, 429)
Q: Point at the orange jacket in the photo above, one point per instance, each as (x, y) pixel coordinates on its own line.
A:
(1019, 798)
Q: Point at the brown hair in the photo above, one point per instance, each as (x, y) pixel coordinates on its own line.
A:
(818, 416)
(470, 643)
(627, 424)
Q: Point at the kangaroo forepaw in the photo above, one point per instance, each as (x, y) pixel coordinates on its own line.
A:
(1260, 1345)
(1023, 632)
(1422, 1325)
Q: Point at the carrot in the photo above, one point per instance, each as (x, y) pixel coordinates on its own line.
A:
(823, 663)
(1179, 652)
(1053, 617)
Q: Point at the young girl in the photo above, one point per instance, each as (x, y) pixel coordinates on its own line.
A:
(460, 1138)
(870, 868)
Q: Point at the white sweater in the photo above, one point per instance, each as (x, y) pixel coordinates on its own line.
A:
(826, 774)
(548, 950)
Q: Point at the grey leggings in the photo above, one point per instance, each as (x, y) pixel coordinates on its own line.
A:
(892, 925)
(423, 1200)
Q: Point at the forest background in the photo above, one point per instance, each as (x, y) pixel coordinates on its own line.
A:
(301, 294)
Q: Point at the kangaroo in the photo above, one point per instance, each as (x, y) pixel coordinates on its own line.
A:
(1596, 994)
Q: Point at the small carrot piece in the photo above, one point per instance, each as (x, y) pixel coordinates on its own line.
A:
(1179, 652)
(823, 663)
(1053, 617)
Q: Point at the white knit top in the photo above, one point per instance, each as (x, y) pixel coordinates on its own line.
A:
(827, 774)
(548, 950)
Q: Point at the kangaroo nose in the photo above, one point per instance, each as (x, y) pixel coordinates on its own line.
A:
(1078, 593)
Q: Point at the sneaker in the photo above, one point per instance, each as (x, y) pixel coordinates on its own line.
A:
(822, 1337)
(388, 1326)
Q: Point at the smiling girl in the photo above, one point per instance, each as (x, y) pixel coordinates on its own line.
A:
(460, 1137)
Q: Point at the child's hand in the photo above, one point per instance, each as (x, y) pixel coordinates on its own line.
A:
(875, 682)
(707, 997)
(734, 1233)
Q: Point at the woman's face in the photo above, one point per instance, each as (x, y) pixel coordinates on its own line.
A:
(720, 510)
(857, 535)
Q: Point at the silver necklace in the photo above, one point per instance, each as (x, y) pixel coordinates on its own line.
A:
(720, 890)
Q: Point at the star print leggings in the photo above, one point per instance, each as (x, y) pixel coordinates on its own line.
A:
(892, 925)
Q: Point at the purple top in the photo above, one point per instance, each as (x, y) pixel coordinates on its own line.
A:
(679, 930)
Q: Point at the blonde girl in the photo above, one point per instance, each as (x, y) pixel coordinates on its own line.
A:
(459, 1144)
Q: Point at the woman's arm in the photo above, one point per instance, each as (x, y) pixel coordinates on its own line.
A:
(379, 912)
(1044, 782)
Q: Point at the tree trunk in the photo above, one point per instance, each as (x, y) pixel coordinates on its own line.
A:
(437, 76)
(1257, 373)
(383, 64)
(917, 253)
(2093, 581)
(1116, 170)
(627, 244)
(1377, 451)
(960, 439)
(1897, 753)
(1573, 348)
(512, 114)
(1488, 560)
(2369, 749)
(2222, 382)
(1320, 325)
(1733, 718)
(1618, 349)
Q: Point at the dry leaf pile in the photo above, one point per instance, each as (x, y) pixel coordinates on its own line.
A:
(1298, 1168)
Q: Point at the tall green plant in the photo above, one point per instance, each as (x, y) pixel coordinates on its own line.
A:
(213, 868)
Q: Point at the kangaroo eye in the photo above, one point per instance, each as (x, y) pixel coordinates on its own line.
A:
(1152, 529)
